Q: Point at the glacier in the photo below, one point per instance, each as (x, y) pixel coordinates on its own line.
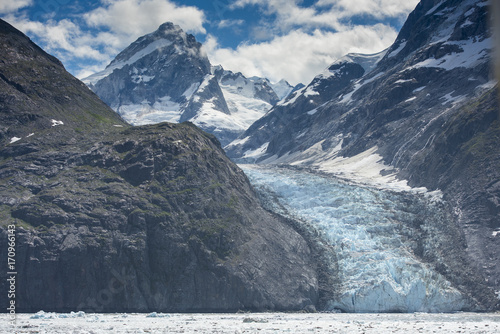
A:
(370, 231)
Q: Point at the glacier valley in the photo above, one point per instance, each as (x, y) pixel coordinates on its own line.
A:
(376, 238)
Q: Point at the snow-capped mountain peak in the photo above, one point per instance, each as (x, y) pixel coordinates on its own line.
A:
(166, 76)
(282, 88)
(167, 35)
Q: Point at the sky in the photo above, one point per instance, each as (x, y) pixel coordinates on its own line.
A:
(277, 39)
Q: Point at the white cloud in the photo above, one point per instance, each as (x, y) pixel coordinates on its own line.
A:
(291, 41)
(289, 14)
(327, 13)
(296, 44)
(299, 56)
(114, 25)
(62, 38)
(139, 17)
(87, 71)
(229, 23)
(7, 6)
(375, 8)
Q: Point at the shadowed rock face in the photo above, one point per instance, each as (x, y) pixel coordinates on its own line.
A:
(111, 218)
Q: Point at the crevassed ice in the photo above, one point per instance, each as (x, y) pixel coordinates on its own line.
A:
(377, 269)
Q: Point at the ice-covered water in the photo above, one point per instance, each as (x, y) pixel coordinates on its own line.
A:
(368, 230)
(263, 323)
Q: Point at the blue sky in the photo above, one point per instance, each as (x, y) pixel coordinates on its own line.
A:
(290, 39)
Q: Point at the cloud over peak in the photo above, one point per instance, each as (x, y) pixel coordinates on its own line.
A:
(290, 39)
(139, 17)
(299, 55)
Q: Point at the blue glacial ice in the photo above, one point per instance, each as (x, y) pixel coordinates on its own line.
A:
(366, 227)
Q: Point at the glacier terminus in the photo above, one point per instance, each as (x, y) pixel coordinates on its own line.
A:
(380, 240)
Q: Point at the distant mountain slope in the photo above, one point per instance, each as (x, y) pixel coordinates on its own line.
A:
(254, 142)
(114, 218)
(425, 115)
(166, 76)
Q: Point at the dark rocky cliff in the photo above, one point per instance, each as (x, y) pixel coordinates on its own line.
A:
(111, 218)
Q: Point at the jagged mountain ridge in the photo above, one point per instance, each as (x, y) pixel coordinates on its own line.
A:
(286, 112)
(355, 88)
(163, 76)
(166, 76)
(114, 218)
(425, 115)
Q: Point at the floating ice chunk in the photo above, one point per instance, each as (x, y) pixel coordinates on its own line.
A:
(157, 315)
(56, 123)
(43, 315)
(93, 318)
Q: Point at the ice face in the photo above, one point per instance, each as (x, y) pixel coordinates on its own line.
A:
(365, 226)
